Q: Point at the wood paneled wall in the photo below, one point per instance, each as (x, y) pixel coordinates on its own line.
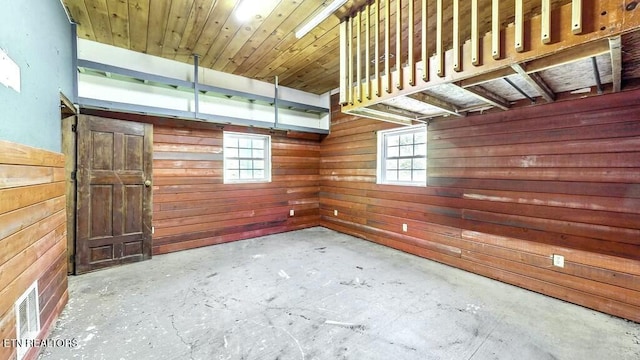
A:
(32, 235)
(507, 191)
(192, 207)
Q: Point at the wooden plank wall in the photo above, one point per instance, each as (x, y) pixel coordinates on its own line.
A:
(192, 207)
(32, 235)
(507, 191)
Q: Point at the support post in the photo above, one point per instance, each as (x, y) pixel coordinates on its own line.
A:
(196, 85)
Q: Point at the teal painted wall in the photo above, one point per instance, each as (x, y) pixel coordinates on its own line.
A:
(36, 34)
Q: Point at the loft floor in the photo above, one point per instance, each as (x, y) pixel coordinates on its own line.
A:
(319, 294)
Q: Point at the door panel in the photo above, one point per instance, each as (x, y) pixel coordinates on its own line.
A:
(114, 204)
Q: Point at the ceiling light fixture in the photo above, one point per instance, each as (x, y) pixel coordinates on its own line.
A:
(246, 10)
(319, 17)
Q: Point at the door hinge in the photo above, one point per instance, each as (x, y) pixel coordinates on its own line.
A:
(73, 175)
(74, 127)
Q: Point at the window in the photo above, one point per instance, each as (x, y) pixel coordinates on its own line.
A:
(247, 158)
(27, 319)
(402, 156)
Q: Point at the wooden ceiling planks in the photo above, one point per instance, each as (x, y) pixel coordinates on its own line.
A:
(265, 46)
(118, 12)
(138, 20)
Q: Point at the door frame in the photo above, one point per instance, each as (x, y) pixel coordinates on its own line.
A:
(68, 117)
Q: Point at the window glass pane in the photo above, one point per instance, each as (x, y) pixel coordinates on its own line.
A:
(232, 174)
(393, 151)
(405, 164)
(406, 139)
(392, 175)
(406, 150)
(245, 153)
(420, 137)
(258, 143)
(230, 152)
(420, 175)
(404, 175)
(244, 143)
(231, 142)
(258, 154)
(258, 174)
(393, 140)
(245, 164)
(392, 164)
(420, 150)
(419, 164)
(258, 164)
(246, 174)
(233, 164)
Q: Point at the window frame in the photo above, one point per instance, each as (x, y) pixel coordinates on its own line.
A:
(227, 136)
(381, 166)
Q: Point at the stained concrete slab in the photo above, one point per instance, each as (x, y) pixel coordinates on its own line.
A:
(319, 294)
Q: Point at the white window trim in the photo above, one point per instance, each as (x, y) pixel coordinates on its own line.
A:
(267, 158)
(22, 350)
(381, 159)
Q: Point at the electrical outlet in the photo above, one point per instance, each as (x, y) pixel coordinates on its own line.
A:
(335, 212)
(558, 260)
(291, 212)
(153, 229)
(404, 227)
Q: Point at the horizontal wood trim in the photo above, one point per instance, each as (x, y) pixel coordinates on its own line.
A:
(16, 198)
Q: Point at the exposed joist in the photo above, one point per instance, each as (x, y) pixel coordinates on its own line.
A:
(615, 46)
(535, 81)
(490, 76)
(435, 102)
(488, 97)
(575, 53)
(396, 111)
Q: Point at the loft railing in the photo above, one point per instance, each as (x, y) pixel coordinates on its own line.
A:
(397, 48)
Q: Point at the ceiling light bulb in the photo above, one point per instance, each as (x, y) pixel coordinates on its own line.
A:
(320, 17)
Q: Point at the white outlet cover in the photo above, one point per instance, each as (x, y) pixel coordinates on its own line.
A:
(404, 227)
(291, 212)
(335, 212)
(558, 260)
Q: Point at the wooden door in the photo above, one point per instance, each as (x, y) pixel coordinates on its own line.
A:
(114, 192)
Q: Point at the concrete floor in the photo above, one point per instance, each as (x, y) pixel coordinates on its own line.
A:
(318, 294)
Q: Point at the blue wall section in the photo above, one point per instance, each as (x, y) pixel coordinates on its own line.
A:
(36, 34)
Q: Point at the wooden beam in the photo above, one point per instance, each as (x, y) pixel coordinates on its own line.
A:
(435, 102)
(456, 35)
(425, 54)
(399, 24)
(495, 29)
(387, 45)
(487, 96)
(545, 34)
(358, 20)
(519, 22)
(376, 67)
(350, 42)
(572, 54)
(367, 46)
(576, 16)
(475, 47)
(616, 62)
(535, 81)
(481, 79)
(411, 59)
(396, 111)
(439, 50)
(344, 63)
